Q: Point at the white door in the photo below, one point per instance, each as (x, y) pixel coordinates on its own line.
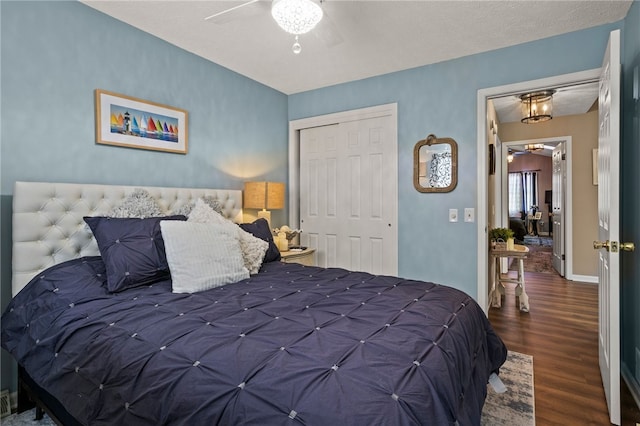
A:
(348, 194)
(558, 182)
(608, 225)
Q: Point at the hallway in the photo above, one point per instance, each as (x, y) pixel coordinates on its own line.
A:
(560, 332)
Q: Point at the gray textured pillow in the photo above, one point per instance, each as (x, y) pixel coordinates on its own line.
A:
(138, 204)
(186, 209)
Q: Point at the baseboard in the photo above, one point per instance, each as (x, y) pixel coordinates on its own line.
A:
(592, 279)
(632, 383)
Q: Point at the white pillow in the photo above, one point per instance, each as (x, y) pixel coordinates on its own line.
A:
(253, 249)
(201, 256)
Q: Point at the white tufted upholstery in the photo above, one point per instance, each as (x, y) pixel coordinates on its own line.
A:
(48, 227)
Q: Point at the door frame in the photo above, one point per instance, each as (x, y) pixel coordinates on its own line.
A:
(502, 197)
(295, 126)
(483, 160)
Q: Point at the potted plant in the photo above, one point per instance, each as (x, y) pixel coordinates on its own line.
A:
(501, 238)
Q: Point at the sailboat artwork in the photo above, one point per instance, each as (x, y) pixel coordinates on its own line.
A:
(135, 123)
(127, 121)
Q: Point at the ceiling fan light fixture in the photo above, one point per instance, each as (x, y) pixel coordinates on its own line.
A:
(296, 16)
(537, 106)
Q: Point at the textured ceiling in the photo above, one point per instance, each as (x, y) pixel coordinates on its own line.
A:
(571, 100)
(356, 39)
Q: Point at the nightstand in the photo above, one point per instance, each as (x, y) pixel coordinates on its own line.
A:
(303, 257)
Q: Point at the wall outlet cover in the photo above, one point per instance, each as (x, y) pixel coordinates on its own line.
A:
(453, 215)
(469, 214)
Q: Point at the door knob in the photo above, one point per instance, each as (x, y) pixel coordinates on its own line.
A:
(613, 246)
(627, 246)
(599, 244)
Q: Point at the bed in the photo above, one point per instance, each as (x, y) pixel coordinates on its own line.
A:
(291, 344)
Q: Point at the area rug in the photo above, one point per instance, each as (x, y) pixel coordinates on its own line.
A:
(539, 259)
(530, 240)
(515, 407)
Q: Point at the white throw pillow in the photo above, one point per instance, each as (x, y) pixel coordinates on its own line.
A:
(201, 256)
(253, 249)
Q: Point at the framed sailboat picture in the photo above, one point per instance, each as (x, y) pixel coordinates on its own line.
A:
(135, 123)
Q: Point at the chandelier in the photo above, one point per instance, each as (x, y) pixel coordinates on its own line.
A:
(537, 106)
(296, 17)
(533, 147)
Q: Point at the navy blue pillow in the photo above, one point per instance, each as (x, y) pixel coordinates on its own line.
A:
(260, 229)
(132, 250)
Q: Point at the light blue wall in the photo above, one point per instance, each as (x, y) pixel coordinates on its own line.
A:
(54, 54)
(441, 99)
(630, 191)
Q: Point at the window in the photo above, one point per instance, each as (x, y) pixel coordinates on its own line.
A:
(516, 195)
(523, 192)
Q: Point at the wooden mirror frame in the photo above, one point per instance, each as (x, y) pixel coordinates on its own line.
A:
(433, 140)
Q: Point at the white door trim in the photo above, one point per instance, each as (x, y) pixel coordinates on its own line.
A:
(482, 172)
(323, 120)
(568, 213)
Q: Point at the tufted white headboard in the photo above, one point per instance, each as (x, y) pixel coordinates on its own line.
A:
(48, 227)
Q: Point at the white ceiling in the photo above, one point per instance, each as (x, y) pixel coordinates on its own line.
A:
(356, 39)
(570, 100)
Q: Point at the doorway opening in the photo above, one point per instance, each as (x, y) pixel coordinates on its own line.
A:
(535, 199)
(488, 211)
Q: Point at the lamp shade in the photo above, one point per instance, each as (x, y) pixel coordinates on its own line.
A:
(264, 195)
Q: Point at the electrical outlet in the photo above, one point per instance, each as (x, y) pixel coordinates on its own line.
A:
(469, 214)
(453, 215)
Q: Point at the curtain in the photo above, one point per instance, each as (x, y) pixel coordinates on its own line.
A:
(516, 195)
(530, 191)
(523, 193)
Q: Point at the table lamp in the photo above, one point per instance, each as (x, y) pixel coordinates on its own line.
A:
(265, 196)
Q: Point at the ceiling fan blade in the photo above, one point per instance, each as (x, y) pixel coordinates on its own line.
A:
(231, 9)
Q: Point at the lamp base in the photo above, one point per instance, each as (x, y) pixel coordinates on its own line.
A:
(265, 214)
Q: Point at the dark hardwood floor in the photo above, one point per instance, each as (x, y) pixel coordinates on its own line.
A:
(560, 332)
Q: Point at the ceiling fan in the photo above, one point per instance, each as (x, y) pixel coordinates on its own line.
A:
(296, 17)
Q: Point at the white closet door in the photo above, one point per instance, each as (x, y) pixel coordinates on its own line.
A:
(348, 194)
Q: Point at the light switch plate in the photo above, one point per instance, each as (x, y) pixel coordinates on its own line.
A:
(469, 214)
(453, 215)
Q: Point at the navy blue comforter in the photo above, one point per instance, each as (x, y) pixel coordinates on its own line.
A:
(290, 345)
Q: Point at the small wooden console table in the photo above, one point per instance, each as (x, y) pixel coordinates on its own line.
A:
(519, 253)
